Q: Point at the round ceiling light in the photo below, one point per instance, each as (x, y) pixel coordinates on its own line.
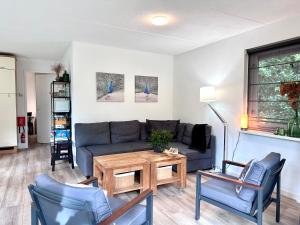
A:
(159, 20)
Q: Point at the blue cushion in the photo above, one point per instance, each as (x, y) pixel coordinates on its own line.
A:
(134, 216)
(125, 131)
(256, 174)
(224, 192)
(94, 196)
(92, 134)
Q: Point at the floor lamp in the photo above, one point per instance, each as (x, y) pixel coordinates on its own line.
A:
(208, 95)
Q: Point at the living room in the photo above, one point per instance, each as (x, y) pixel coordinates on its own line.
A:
(190, 68)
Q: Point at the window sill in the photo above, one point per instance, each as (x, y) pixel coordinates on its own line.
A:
(269, 135)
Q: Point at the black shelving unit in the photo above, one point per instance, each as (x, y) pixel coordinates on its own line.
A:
(61, 123)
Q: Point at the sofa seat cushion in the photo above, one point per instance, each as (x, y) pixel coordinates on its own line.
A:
(98, 150)
(190, 153)
(135, 216)
(125, 131)
(94, 196)
(224, 192)
(92, 134)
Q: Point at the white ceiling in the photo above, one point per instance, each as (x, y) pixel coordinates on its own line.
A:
(44, 28)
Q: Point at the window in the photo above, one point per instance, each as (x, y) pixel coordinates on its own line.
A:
(268, 68)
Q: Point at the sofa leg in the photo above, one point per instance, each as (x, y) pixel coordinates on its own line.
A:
(198, 196)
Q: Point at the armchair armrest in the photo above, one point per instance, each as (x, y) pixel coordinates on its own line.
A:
(91, 180)
(228, 179)
(233, 163)
(225, 162)
(148, 194)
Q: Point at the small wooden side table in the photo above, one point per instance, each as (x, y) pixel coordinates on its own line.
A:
(159, 160)
(105, 167)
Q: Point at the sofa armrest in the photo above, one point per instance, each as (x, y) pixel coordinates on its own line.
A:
(148, 195)
(84, 160)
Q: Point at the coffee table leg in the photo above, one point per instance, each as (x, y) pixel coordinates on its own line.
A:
(97, 173)
(109, 182)
(145, 177)
(181, 173)
(153, 178)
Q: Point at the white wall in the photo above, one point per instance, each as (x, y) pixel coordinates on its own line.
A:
(222, 64)
(27, 66)
(31, 93)
(88, 59)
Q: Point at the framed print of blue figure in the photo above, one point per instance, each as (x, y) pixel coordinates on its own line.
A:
(146, 89)
(110, 87)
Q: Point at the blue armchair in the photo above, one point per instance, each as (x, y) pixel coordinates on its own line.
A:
(247, 198)
(55, 203)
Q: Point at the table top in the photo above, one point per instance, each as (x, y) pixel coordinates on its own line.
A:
(134, 158)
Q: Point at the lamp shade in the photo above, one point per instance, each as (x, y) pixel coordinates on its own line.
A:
(207, 94)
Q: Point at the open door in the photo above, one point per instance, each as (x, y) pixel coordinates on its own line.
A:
(43, 106)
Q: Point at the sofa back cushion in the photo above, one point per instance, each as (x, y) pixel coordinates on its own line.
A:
(180, 131)
(92, 134)
(93, 195)
(125, 131)
(188, 131)
(168, 125)
(144, 133)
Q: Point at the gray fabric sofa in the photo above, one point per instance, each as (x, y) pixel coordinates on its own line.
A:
(96, 139)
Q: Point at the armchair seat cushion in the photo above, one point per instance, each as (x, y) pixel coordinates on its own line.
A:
(135, 216)
(224, 192)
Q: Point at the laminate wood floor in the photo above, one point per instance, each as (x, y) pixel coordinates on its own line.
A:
(171, 206)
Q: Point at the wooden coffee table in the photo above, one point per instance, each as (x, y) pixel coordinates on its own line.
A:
(147, 162)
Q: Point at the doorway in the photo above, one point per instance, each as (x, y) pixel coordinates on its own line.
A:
(39, 107)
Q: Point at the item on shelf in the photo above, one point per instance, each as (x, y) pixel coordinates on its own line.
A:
(60, 135)
(171, 151)
(280, 131)
(66, 77)
(292, 90)
(60, 121)
(61, 105)
(57, 68)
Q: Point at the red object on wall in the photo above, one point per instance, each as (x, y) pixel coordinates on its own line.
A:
(21, 121)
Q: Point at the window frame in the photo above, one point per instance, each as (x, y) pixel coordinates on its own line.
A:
(268, 50)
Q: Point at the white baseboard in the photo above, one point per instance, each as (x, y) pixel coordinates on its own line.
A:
(291, 195)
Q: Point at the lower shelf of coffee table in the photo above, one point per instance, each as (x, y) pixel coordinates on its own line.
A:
(170, 180)
(136, 186)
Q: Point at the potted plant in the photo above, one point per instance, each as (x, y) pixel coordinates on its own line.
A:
(160, 140)
(57, 68)
(292, 90)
